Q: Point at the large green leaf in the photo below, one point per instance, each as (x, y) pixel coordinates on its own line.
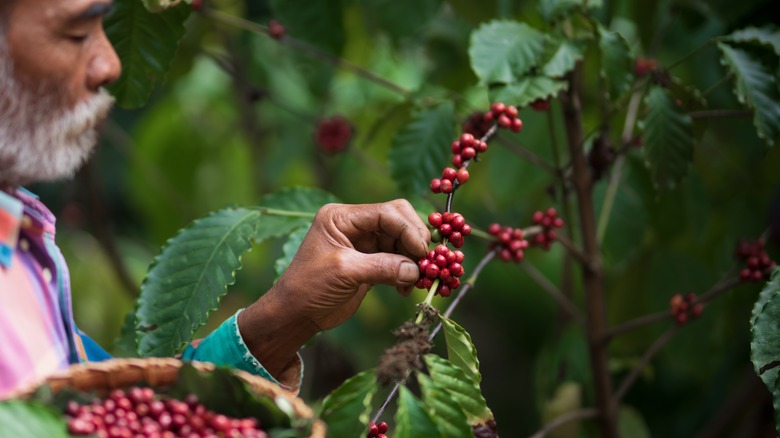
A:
(445, 411)
(186, 281)
(422, 148)
(346, 409)
(20, 419)
(526, 90)
(289, 249)
(765, 339)
(755, 87)
(561, 56)
(460, 350)
(767, 35)
(668, 139)
(553, 8)
(319, 23)
(503, 51)
(460, 387)
(146, 44)
(616, 62)
(291, 208)
(394, 18)
(411, 419)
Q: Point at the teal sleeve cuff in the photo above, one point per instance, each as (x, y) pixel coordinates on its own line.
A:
(225, 346)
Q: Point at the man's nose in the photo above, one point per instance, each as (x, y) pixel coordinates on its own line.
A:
(104, 65)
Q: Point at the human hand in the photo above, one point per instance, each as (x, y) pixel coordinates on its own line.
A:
(348, 249)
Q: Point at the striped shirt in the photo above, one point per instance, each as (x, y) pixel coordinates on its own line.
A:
(38, 335)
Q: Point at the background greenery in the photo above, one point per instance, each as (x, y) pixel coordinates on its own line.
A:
(234, 120)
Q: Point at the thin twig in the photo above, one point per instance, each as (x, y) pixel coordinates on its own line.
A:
(576, 252)
(617, 169)
(308, 48)
(715, 86)
(553, 291)
(529, 156)
(646, 358)
(566, 418)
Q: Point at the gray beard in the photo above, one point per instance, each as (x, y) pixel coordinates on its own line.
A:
(39, 139)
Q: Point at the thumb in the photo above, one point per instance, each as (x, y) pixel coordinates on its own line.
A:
(384, 268)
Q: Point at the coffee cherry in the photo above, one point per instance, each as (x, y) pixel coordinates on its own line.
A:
(643, 66)
(197, 5)
(435, 219)
(443, 264)
(449, 173)
(757, 261)
(333, 134)
(382, 427)
(446, 186)
(373, 430)
(276, 30)
(540, 105)
(462, 175)
(436, 185)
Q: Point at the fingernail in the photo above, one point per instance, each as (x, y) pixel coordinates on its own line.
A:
(408, 272)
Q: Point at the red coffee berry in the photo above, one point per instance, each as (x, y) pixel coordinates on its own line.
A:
(511, 112)
(449, 173)
(463, 175)
(373, 430)
(504, 121)
(436, 185)
(540, 105)
(517, 125)
(494, 229)
(197, 5)
(276, 30)
(457, 161)
(498, 108)
(435, 219)
(333, 134)
(468, 153)
(446, 186)
(382, 427)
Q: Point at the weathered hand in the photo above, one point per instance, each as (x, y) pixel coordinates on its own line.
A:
(348, 249)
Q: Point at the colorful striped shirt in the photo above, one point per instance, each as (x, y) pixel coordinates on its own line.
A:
(38, 335)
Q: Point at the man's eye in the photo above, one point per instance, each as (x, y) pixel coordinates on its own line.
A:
(77, 38)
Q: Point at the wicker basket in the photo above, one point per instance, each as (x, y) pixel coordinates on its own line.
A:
(157, 372)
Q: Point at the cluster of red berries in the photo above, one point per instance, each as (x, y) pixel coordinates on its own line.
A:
(757, 261)
(466, 148)
(505, 116)
(443, 264)
(684, 306)
(276, 30)
(451, 226)
(450, 178)
(377, 430)
(476, 124)
(140, 413)
(549, 221)
(510, 244)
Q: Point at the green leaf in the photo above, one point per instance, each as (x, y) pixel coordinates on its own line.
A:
(422, 148)
(411, 419)
(765, 335)
(446, 413)
(631, 423)
(394, 18)
(561, 57)
(460, 349)
(668, 139)
(553, 8)
(526, 90)
(346, 409)
(503, 51)
(289, 249)
(21, 419)
(617, 64)
(292, 208)
(460, 387)
(186, 281)
(755, 87)
(146, 44)
(767, 36)
(319, 23)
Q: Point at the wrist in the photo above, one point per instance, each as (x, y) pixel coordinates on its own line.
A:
(273, 332)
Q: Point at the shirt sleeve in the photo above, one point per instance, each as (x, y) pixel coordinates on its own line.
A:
(225, 346)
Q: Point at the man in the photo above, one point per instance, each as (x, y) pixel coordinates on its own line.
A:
(54, 61)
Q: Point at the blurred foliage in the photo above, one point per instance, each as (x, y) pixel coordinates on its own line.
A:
(235, 120)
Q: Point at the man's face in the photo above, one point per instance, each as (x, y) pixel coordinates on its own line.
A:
(54, 61)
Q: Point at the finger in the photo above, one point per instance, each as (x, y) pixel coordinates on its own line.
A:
(396, 219)
(378, 268)
(405, 291)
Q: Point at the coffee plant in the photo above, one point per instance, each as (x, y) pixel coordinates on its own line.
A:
(618, 156)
